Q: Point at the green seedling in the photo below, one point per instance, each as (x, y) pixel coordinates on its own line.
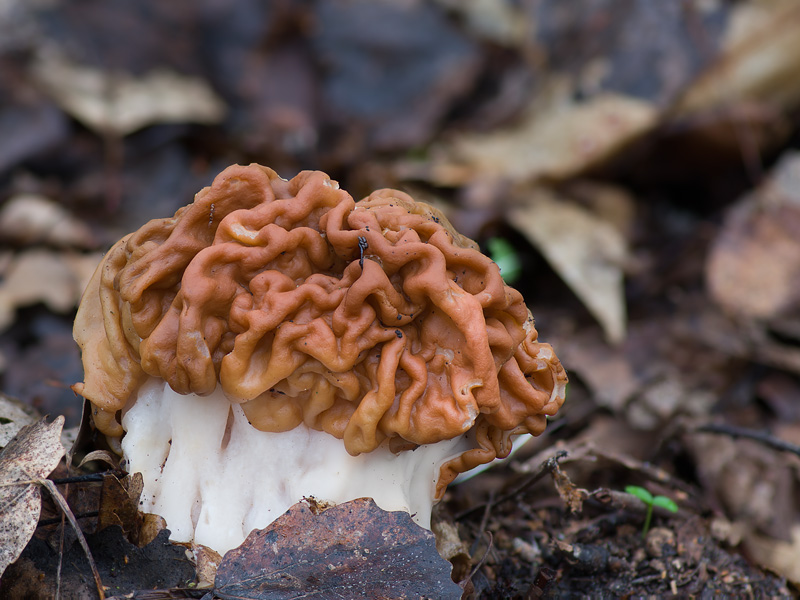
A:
(651, 501)
(503, 253)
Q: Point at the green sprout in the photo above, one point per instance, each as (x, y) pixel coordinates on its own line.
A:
(651, 501)
(503, 253)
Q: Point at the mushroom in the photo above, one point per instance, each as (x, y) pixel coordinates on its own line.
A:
(275, 340)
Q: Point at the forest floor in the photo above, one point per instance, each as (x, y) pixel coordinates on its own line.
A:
(638, 163)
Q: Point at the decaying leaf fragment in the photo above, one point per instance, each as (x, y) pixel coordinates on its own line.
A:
(353, 550)
(33, 454)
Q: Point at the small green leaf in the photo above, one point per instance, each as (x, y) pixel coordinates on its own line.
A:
(503, 253)
(666, 503)
(641, 493)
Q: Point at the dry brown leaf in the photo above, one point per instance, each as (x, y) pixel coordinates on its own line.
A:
(587, 253)
(34, 219)
(760, 61)
(558, 139)
(352, 550)
(754, 264)
(14, 415)
(753, 483)
(119, 104)
(207, 561)
(119, 505)
(451, 547)
(779, 556)
(56, 279)
(32, 455)
(105, 456)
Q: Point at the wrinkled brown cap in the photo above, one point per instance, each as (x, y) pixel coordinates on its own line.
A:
(369, 320)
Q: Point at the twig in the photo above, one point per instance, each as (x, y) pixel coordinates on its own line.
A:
(62, 504)
(60, 556)
(759, 436)
(88, 478)
(86, 515)
(613, 500)
(479, 564)
(546, 468)
(484, 521)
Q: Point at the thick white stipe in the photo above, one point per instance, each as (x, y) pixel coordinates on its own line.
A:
(214, 488)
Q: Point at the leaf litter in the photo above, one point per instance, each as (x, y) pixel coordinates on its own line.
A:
(24, 463)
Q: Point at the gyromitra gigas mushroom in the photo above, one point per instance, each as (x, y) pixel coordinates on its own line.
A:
(276, 339)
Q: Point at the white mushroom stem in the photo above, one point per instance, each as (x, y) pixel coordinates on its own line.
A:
(214, 477)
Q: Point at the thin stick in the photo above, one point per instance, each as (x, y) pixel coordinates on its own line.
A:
(759, 436)
(89, 477)
(544, 469)
(86, 515)
(60, 557)
(479, 564)
(484, 521)
(62, 504)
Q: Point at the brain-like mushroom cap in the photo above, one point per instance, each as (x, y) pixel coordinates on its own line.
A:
(370, 320)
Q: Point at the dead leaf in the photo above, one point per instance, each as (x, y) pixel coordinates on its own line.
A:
(558, 139)
(760, 61)
(207, 561)
(118, 103)
(451, 547)
(752, 483)
(779, 556)
(119, 504)
(102, 455)
(33, 219)
(129, 571)
(152, 526)
(56, 279)
(32, 454)
(353, 550)
(753, 267)
(14, 415)
(587, 252)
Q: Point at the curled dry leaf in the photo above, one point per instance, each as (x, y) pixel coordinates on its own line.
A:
(587, 252)
(207, 562)
(32, 454)
(102, 455)
(452, 548)
(353, 550)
